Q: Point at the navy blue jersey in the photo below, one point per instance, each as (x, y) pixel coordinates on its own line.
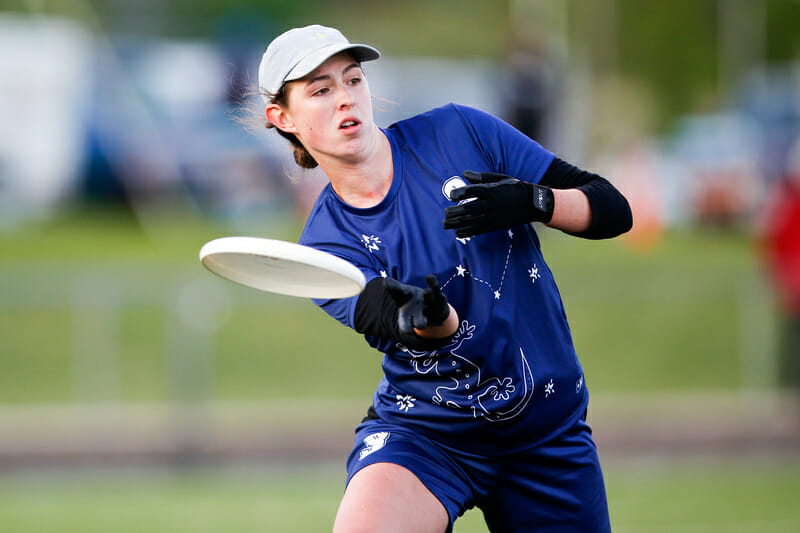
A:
(510, 377)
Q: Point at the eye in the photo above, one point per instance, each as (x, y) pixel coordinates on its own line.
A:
(320, 91)
(354, 81)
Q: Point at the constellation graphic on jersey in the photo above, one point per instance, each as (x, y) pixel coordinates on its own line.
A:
(461, 271)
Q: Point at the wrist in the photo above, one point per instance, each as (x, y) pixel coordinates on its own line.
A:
(543, 202)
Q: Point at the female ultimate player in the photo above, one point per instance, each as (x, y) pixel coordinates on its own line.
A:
(483, 401)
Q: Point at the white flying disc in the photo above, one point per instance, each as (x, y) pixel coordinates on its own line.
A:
(282, 267)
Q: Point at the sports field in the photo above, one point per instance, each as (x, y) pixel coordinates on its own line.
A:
(755, 496)
(95, 311)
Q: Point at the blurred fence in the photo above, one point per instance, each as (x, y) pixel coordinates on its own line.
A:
(87, 419)
(94, 323)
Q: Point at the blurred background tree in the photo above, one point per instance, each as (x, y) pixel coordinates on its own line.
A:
(683, 51)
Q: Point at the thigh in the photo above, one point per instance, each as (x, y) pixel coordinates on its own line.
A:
(386, 453)
(389, 498)
(557, 486)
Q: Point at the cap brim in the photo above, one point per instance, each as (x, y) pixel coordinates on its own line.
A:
(361, 53)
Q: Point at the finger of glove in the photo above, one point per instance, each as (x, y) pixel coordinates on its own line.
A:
(471, 208)
(476, 207)
(460, 222)
(436, 311)
(410, 316)
(483, 177)
(477, 226)
(468, 231)
(432, 297)
(470, 191)
(404, 322)
(399, 292)
(454, 223)
(419, 318)
(432, 283)
(454, 211)
(470, 219)
(435, 307)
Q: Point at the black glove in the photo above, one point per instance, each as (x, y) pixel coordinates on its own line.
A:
(500, 202)
(418, 308)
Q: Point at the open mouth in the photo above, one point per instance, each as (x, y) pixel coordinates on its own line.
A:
(348, 124)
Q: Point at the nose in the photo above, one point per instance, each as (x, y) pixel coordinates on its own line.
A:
(346, 100)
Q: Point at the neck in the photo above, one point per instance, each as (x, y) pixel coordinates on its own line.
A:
(365, 180)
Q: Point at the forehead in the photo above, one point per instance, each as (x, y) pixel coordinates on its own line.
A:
(331, 65)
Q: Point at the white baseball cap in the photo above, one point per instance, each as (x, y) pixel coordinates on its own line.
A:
(297, 52)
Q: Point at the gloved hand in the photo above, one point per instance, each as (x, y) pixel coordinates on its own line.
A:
(418, 308)
(500, 202)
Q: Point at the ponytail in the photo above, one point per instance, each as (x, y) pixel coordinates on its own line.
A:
(302, 157)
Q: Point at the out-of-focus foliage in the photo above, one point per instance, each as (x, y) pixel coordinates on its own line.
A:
(783, 37)
(671, 47)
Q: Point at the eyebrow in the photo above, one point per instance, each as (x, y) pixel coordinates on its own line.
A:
(328, 76)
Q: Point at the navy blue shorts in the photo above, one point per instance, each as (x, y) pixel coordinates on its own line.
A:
(556, 486)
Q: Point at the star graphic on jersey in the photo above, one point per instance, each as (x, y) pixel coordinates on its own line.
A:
(534, 273)
(371, 242)
(384, 274)
(463, 240)
(510, 234)
(404, 403)
(549, 389)
(461, 270)
(496, 295)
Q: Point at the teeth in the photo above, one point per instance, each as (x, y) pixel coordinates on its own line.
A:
(348, 123)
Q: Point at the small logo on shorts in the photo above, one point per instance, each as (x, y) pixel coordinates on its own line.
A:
(373, 443)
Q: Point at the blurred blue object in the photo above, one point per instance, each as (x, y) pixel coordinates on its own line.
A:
(163, 127)
(770, 97)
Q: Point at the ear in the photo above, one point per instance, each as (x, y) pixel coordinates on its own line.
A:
(280, 118)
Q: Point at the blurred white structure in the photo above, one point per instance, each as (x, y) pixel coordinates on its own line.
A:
(403, 87)
(45, 76)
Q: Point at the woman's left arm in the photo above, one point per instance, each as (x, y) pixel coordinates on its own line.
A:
(571, 211)
(585, 204)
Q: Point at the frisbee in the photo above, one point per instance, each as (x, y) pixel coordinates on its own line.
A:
(282, 267)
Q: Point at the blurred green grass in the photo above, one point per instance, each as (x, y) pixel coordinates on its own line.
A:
(680, 316)
(754, 496)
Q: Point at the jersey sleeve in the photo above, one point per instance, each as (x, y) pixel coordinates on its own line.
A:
(344, 309)
(506, 149)
(323, 233)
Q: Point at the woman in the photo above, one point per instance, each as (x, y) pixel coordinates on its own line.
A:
(483, 400)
